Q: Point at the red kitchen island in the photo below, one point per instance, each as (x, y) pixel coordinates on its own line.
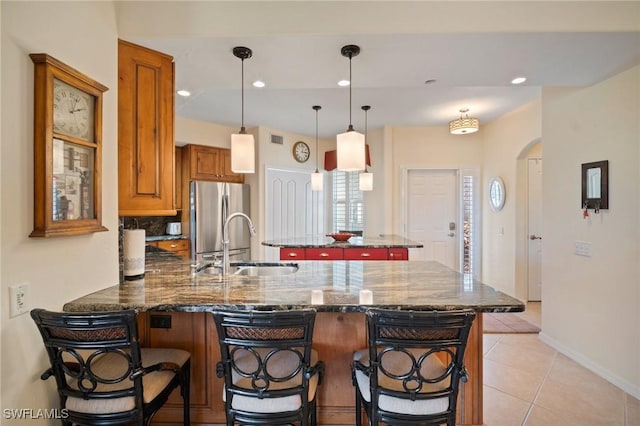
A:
(384, 247)
(174, 307)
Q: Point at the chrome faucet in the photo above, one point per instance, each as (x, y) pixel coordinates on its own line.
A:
(225, 239)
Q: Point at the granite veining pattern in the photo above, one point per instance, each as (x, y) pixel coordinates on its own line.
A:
(170, 285)
(321, 241)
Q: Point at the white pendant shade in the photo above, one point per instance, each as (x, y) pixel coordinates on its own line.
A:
(242, 153)
(350, 151)
(317, 181)
(366, 181)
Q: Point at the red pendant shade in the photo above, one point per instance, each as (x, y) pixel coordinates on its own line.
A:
(331, 159)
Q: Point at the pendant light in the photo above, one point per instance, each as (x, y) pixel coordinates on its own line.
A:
(242, 144)
(316, 177)
(464, 125)
(365, 182)
(350, 145)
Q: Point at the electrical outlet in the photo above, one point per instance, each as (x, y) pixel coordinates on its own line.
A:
(19, 299)
(583, 248)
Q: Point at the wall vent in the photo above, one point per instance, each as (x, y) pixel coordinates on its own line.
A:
(277, 139)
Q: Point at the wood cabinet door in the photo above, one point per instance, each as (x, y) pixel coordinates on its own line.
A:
(365, 254)
(145, 132)
(292, 254)
(323, 254)
(194, 332)
(204, 163)
(225, 165)
(398, 254)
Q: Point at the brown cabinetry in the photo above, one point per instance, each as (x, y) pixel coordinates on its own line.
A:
(196, 333)
(178, 176)
(145, 132)
(180, 247)
(209, 163)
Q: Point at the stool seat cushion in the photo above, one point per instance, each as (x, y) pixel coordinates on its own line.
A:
(281, 364)
(111, 365)
(396, 362)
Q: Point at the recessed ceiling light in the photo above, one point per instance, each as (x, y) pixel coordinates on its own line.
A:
(518, 80)
(343, 83)
(258, 83)
(184, 93)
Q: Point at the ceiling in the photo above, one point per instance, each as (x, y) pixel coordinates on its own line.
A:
(470, 70)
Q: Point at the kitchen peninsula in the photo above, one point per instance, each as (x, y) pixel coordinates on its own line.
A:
(383, 247)
(174, 306)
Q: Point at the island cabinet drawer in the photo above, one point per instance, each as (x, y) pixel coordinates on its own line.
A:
(398, 254)
(323, 254)
(365, 254)
(292, 254)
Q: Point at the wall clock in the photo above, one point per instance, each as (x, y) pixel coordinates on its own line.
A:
(497, 194)
(67, 150)
(301, 151)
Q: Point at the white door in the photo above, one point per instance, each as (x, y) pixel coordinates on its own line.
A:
(432, 215)
(534, 229)
(292, 210)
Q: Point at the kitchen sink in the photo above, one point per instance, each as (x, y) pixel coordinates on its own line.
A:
(254, 269)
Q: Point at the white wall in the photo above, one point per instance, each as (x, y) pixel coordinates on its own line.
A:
(504, 139)
(591, 304)
(428, 147)
(82, 35)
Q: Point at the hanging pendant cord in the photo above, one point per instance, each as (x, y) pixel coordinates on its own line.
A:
(316, 141)
(242, 92)
(350, 84)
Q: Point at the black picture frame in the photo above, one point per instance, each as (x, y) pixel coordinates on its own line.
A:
(595, 185)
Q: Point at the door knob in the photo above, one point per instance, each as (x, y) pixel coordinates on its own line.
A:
(534, 237)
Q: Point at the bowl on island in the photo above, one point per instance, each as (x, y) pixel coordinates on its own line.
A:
(341, 236)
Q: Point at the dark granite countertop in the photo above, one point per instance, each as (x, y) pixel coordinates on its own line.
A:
(169, 285)
(165, 237)
(382, 241)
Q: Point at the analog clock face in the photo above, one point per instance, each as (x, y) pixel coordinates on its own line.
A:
(73, 111)
(301, 152)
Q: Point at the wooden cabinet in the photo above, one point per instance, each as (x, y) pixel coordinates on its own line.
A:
(209, 163)
(292, 254)
(145, 132)
(178, 178)
(323, 254)
(180, 247)
(398, 254)
(347, 253)
(196, 332)
(365, 254)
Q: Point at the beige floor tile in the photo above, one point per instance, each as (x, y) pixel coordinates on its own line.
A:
(522, 356)
(569, 372)
(592, 407)
(513, 381)
(539, 416)
(489, 341)
(501, 409)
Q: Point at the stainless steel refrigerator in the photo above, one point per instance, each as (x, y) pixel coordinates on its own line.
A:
(210, 205)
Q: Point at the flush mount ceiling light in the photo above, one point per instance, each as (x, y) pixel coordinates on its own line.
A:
(350, 144)
(316, 177)
(242, 144)
(365, 182)
(464, 125)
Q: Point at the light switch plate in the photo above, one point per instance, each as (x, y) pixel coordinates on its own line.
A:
(583, 248)
(18, 299)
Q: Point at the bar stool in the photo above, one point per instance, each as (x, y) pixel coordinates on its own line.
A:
(102, 375)
(271, 373)
(410, 371)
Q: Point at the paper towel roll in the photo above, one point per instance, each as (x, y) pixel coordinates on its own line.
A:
(134, 253)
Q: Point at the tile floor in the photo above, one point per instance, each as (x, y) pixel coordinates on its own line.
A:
(526, 382)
